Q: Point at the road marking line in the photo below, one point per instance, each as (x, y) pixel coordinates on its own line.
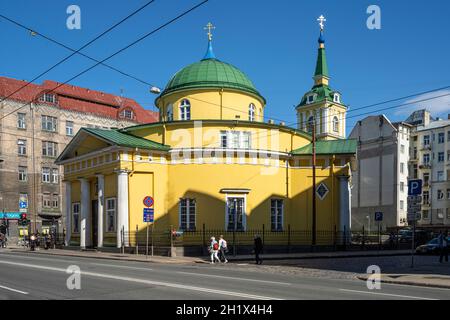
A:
(13, 290)
(413, 286)
(233, 278)
(121, 267)
(149, 282)
(35, 258)
(387, 294)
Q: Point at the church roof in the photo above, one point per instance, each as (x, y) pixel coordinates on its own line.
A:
(126, 140)
(211, 73)
(326, 147)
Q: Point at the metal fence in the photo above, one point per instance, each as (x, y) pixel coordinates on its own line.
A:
(286, 241)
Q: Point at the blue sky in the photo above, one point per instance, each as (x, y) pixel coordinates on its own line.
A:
(274, 43)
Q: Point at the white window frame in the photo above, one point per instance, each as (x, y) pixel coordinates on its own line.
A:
(22, 121)
(426, 140)
(441, 135)
(48, 97)
(47, 200)
(55, 201)
(336, 124)
(76, 205)
(310, 98)
(440, 176)
(402, 186)
(48, 146)
(55, 176)
(441, 156)
(440, 195)
(49, 123)
(276, 216)
(109, 210)
(337, 98)
(46, 173)
(189, 204)
(22, 147)
(23, 174)
(170, 113)
(185, 110)
(244, 210)
(69, 128)
(127, 114)
(252, 112)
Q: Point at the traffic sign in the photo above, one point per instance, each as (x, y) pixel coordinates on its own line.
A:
(414, 187)
(149, 202)
(415, 216)
(149, 215)
(379, 216)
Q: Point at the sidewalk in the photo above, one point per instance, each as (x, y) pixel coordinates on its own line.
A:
(205, 259)
(321, 255)
(424, 280)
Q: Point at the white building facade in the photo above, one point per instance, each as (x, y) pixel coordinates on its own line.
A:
(380, 180)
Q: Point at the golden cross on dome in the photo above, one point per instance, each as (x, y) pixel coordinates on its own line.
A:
(321, 22)
(209, 27)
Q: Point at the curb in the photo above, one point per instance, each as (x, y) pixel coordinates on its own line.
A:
(409, 283)
(107, 258)
(231, 259)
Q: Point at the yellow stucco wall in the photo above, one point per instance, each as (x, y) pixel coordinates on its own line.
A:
(213, 104)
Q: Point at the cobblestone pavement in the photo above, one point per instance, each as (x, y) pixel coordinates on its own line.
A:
(350, 268)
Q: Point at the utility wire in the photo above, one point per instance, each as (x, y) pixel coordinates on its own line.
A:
(74, 51)
(118, 52)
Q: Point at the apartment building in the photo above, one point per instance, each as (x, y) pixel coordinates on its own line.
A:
(36, 125)
(380, 180)
(430, 161)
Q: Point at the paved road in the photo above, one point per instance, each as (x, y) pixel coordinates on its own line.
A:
(33, 276)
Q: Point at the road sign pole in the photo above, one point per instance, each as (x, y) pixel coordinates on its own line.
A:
(153, 238)
(413, 249)
(146, 247)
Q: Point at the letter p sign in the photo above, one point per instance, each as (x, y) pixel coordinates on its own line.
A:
(414, 187)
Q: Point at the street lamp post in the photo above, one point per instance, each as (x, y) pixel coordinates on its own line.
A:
(314, 213)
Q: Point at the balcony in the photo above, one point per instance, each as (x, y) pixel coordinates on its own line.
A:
(425, 166)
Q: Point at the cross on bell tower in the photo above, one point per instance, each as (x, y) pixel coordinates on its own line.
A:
(321, 22)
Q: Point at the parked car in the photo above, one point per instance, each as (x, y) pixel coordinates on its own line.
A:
(406, 235)
(432, 247)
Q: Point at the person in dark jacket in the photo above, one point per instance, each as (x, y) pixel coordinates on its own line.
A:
(258, 249)
(443, 246)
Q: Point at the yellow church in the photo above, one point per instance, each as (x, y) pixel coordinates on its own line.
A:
(213, 163)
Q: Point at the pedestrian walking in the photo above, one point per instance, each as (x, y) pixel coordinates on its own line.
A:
(214, 250)
(258, 249)
(443, 246)
(223, 249)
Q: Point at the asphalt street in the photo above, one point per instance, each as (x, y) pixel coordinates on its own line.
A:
(39, 276)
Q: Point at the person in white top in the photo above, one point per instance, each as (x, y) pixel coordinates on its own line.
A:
(223, 249)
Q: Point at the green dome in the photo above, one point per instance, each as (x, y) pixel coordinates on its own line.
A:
(211, 73)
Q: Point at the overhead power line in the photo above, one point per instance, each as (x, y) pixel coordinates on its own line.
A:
(74, 51)
(119, 51)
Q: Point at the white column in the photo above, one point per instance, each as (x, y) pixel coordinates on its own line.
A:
(68, 199)
(318, 131)
(345, 217)
(304, 122)
(327, 120)
(101, 204)
(85, 225)
(122, 207)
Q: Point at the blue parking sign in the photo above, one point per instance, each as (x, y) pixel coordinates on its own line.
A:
(149, 215)
(414, 187)
(378, 216)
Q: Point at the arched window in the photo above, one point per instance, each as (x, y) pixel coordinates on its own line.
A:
(170, 113)
(310, 124)
(336, 124)
(251, 112)
(185, 110)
